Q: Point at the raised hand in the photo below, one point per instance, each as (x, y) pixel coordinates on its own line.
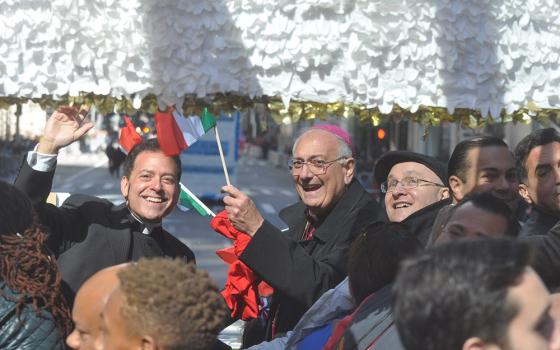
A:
(66, 125)
(242, 211)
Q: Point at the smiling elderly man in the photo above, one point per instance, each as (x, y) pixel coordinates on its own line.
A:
(415, 190)
(310, 258)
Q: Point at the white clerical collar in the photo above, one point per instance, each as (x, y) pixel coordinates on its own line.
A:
(148, 227)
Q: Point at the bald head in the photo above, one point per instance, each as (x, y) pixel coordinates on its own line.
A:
(89, 303)
(343, 140)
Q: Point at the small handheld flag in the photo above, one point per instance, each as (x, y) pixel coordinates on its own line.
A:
(177, 132)
(188, 201)
(128, 137)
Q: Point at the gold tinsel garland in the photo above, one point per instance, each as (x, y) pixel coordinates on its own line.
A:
(298, 110)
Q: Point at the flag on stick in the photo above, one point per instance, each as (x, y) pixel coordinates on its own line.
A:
(177, 132)
(222, 158)
(128, 137)
(188, 201)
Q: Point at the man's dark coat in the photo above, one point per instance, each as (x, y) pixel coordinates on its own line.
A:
(301, 271)
(87, 233)
(420, 223)
(538, 223)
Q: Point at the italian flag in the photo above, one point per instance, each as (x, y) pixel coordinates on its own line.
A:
(177, 132)
(188, 201)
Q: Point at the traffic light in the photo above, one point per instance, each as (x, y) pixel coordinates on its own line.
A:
(380, 139)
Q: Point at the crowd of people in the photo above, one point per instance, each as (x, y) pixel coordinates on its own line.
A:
(463, 255)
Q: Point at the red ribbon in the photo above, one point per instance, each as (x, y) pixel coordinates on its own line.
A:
(242, 289)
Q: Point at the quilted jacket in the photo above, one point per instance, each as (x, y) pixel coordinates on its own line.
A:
(30, 331)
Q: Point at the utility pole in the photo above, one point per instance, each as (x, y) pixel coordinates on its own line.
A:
(18, 115)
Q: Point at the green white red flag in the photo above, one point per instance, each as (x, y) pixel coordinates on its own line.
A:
(176, 132)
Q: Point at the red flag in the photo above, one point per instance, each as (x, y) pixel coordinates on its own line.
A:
(169, 134)
(129, 137)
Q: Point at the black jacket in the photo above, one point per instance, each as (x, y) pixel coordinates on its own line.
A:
(301, 271)
(87, 233)
(546, 261)
(28, 332)
(538, 223)
(421, 222)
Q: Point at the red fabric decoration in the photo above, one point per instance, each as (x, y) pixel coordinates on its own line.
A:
(129, 137)
(169, 135)
(242, 289)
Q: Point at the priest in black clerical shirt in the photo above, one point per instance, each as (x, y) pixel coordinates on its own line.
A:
(88, 233)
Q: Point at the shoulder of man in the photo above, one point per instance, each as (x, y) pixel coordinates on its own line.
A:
(176, 248)
(87, 203)
(370, 321)
(87, 209)
(80, 199)
(364, 207)
(292, 213)
(357, 194)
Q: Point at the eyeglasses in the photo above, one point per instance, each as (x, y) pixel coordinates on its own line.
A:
(316, 166)
(406, 183)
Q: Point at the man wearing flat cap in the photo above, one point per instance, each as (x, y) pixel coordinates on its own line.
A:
(310, 257)
(415, 189)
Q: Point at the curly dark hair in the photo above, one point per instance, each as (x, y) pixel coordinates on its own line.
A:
(26, 266)
(173, 301)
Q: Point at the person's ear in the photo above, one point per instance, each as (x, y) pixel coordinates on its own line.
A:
(475, 343)
(125, 186)
(524, 193)
(149, 343)
(443, 193)
(456, 186)
(349, 168)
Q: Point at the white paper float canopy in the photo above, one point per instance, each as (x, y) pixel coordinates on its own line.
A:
(485, 57)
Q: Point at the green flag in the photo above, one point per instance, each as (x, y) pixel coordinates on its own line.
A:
(188, 201)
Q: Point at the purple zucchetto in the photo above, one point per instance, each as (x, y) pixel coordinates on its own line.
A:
(335, 130)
